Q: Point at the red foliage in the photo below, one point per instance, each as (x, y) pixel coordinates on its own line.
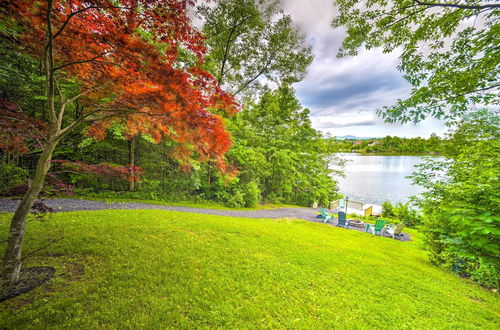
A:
(125, 55)
(53, 186)
(18, 130)
(131, 173)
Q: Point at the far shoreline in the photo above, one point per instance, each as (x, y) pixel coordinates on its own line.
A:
(389, 153)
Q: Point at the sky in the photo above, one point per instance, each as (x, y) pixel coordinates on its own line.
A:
(343, 94)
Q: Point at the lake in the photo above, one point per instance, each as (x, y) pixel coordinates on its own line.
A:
(374, 179)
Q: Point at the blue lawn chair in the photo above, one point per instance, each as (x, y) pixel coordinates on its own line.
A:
(342, 221)
(325, 216)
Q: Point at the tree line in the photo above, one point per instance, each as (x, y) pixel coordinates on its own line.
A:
(391, 144)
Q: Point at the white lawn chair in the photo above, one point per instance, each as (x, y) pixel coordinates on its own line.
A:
(395, 231)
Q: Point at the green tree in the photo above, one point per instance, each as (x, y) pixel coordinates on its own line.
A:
(461, 203)
(251, 44)
(276, 146)
(450, 51)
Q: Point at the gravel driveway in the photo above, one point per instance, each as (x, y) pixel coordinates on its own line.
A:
(72, 204)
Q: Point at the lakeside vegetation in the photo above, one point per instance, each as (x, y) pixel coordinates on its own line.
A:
(391, 145)
(192, 270)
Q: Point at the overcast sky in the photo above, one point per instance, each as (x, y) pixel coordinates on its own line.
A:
(343, 94)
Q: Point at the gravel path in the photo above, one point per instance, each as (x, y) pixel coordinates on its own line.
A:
(72, 204)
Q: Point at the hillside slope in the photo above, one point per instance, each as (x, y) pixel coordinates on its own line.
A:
(151, 268)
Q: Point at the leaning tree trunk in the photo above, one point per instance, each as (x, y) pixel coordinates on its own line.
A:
(12, 260)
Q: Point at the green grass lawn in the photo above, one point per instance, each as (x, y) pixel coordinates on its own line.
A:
(158, 269)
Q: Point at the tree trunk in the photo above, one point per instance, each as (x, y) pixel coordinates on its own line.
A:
(12, 259)
(137, 160)
(131, 160)
(209, 173)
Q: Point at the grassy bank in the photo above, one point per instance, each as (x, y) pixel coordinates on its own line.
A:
(150, 268)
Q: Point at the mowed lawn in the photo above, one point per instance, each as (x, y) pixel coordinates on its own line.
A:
(159, 269)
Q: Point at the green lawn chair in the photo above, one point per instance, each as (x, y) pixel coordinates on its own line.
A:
(377, 227)
(395, 231)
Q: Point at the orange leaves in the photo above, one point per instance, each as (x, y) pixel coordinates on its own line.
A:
(97, 130)
(126, 55)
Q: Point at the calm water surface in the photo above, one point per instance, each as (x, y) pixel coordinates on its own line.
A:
(375, 179)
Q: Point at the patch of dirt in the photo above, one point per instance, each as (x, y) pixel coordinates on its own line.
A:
(477, 299)
(73, 271)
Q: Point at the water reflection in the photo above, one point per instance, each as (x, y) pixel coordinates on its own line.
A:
(376, 178)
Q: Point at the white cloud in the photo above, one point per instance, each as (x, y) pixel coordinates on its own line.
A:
(343, 94)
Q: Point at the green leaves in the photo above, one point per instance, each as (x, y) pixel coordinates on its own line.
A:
(450, 54)
(275, 145)
(461, 201)
(251, 44)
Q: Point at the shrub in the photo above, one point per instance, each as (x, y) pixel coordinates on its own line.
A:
(251, 196)
(460, 200)
(387, 210)
(408, 216)
(52, 186)
(11, 176)
(486, 272)
(401, 213)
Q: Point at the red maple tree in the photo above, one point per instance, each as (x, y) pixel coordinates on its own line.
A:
(137, 62)
(19, 130)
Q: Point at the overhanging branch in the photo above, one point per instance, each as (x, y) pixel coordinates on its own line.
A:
(456, 5)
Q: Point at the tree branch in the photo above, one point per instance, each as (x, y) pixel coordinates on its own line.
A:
(66, 21)
(75, 123)
(248, 82)
(81, 62)
(459, 6)
(49, 65)
(69, 18)
(30, 125)
(86, 92)
(225, 58)
(478, 90)
(404, 18)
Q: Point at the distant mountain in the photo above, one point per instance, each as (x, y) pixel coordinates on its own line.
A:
(352, 137)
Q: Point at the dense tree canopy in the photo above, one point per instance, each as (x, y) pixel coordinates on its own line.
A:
(276, 146)
(251, 44)
(128, 71)
(449, 51)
